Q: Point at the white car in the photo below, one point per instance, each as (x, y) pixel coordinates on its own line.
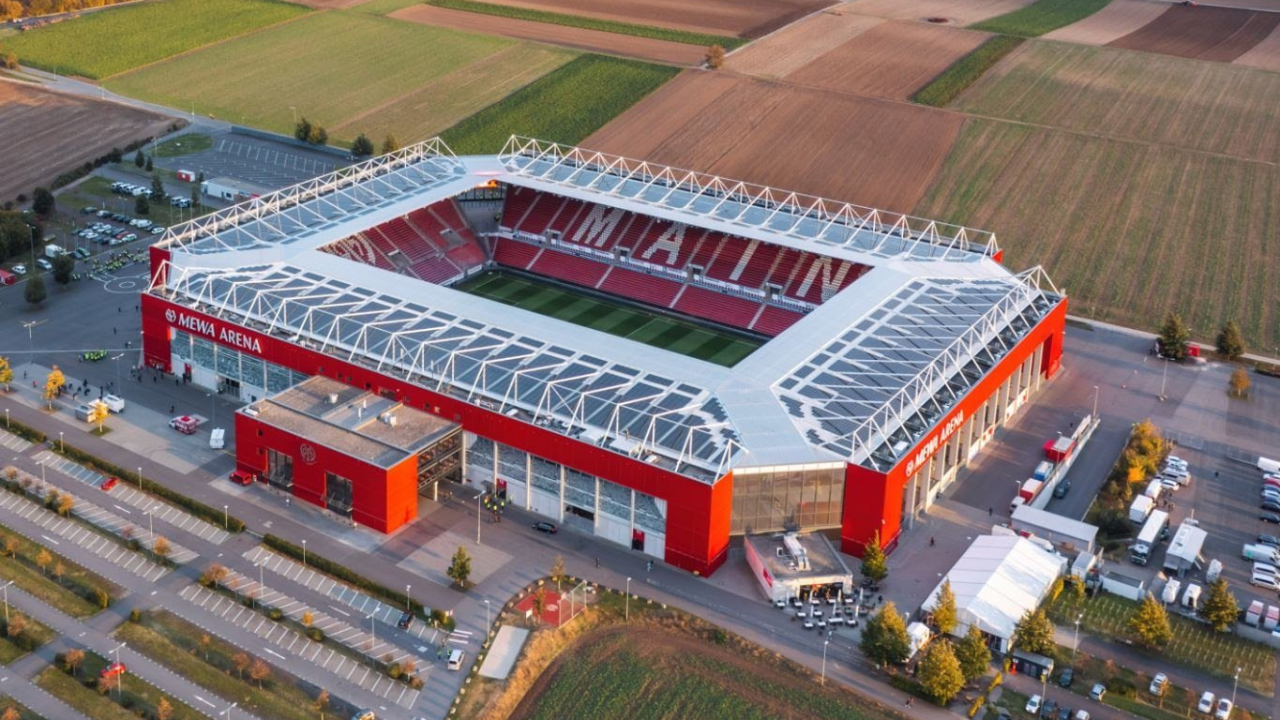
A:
(1033, 705)
(1206, 703)
(1263, 580)
(114, 403)
(1157, 683)
(44, 264)
(19, 269)
(1224, 709)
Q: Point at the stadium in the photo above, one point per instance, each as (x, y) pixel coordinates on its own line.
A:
(662, 358)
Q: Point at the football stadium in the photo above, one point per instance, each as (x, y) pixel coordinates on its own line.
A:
(659, 357)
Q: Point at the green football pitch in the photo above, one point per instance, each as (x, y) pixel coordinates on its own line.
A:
(686, 338)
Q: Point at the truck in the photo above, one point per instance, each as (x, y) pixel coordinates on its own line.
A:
(1191, 598)
(52, 251)
(1267, 465)
(1254, 614)
(185, 175)
(1058, 449)
(1042, 470)
(1170, 594)
(1030, 489)
(1261, 553)
(1140, 509)
(1152, 531)
(1154, 488)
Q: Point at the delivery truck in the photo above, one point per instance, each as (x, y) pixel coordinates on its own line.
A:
(1140, 509)
(1042, 470)
(1261, 553)
(52, 251)
(1267, 465)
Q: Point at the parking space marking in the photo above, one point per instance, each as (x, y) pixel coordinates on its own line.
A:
(13, 442)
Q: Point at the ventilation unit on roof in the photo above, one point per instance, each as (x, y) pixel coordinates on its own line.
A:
(797, 550)
(390, 419)
(333, 398)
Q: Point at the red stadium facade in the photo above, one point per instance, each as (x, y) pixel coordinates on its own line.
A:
(685, 519)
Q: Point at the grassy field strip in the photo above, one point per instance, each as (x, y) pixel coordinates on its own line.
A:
(185, 144)
(1041, 17)
(966, 71)
(134, 694)
(382, 7)
(68, 594)
(588, 23)
(24, 713)
(32, 634)
(1197, 229)
(169, 639)
(102, 44)
(565, 106)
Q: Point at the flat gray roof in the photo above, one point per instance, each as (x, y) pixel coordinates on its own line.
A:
(820, 558)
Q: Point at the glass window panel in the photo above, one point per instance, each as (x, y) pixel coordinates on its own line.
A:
(229, 363)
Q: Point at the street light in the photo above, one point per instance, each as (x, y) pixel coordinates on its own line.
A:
(408, 601)
(119, 675)
(825, 643)
(1095, 402)
(227, 713)
(1076, 647)
(262, 583)
(478, 497)
(142, 485)
(486, 617)
(151, 520)
(42, 484)
(61, 447)
(226, 519)
(6, 602)
(1235, 686)
(373, 633)
(304, 553)
(626, 613)
(117, 361)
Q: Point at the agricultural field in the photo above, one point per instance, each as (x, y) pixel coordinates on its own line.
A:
(951, 12)
(589, 40)
(800, 43)
(1117, 19)
(1041, 17)
(1265, 55)
(662, 331)
(106, 43)
(1212, 107)
(348, 71)
(1130, 229)
(636, 672)
(564, 106)
(1204, 32)
(588, 23)
(738, 18)
(50, 133)
(871, 152)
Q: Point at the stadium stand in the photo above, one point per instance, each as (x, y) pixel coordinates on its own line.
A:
(433, 243)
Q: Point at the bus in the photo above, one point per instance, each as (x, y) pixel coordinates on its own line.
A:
(1153, 531)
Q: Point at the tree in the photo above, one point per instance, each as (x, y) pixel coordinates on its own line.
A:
(157, 187)
(73, 659)
(1230, 341)
(213, 575)
(715, 57)
(874, 565)
(884, 639)
(12, 546)
(1220, 607)
(43, 558)
(59, 570)
(307, 619)
(195, 194)
(259, 671)
(240, 661)
(17, 625)
(1173, 337)
(390, 144)
(973, 654)
(9, 60)
(538, 604)
(11, 713)
(205, 642)
(1239, 383)
(98, 413)
(164, 709)
(302, 130)
(1150, 624)
(460, 567)
(142, 205)
(939, 672)
(161, 548)
(321, 703)
(557, 570)
(35, 293)
(362, 146)
(6, 373)
(64, 504)
(317, 135)
(150, 165)
(139, 159)
(42, 202)
(1034, 633)
(944, 610)
(63, 267)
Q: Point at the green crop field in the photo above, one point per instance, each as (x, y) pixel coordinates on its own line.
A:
(1215, 107)
(1041, 17)
(1131, 230)
(564, 106)
(350, 72)
(105, 43)
(687, 338)
(965, 72)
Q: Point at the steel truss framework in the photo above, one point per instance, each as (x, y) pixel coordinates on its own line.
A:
(618, 407)
(875, 390)
(297, 211)
(803, 218)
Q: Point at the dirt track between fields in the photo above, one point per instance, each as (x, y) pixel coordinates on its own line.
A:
(866, 151)
(740, 18)
(49, 133)
(1117, 19)
(1203, 33)
(670, 53)
(955, 12)
(1264, 55)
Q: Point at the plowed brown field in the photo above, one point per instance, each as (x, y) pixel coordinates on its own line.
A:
(866, 151)
(48, 133)
(891, 60)
(799, 44)
(1203, 32)
(1117, 19)
(956, 12)
(663, 51)
(741, 18)
(1264, 55)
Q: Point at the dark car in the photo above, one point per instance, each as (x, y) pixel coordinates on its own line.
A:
(1271, 505)
(1064, 713)
(1271, 540)
(405, 621)
(1270, 517)
(546, 527)
(1067, 677)
(1063, 488)
(1050, 710)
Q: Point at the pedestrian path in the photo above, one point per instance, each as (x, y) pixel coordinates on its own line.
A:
(294, 644)
(75, 533)
(131, 496)
(14, 443)
(363, 603)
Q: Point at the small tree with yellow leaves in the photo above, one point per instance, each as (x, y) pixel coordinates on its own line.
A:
(52, 384)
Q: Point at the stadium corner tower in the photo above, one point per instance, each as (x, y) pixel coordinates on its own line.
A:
(887, 349)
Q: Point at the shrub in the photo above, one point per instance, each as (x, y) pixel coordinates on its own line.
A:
(315, 634)
(26, 432)
(135, 615)
(1123, 687)
(275, 613)
(976, 705)
(394, 671)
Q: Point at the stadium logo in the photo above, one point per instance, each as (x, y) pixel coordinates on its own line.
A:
(308, 454)
(927, 450)
(208, 328)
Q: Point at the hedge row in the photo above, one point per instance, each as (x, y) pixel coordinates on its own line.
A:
(26, 431)
(195, 507)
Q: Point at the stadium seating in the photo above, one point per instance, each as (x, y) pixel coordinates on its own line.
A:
(717, 307)
(773, 320)
(630, 284)
(515, 254)
(434, 243)
(569, 268)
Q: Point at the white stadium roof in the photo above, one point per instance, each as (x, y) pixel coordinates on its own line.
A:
(860, 378)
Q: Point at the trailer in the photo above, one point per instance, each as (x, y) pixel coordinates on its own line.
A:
(1042, 470)
(1170, 594)
(1152, 531)
(1184, 550)
(185, 175)
(1267, 465)
(1062, 532)
(1030, 489)
(1058, 449)
(1140, 509)
(1031, 664)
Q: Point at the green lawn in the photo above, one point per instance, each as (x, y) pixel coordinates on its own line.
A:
(24, 713)
(176, 642)
(33, 636)
(565, 106)
(1041, 17)
(68, 593)
(102, 44)
(686, 338)
(350, 72)
(1194, 644)
(966, 71)
(80, 693)
(184, 144)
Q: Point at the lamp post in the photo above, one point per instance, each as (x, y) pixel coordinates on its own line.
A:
(486, 617)
(1164, 373)
(262, 583)
(227, 713)
(226, 519)
(6, 602)
(1095, 402)
(478, 497)
(142, 484)
(626, 613)
(1235, 686)
(408, 601)
(41, 464)
(151, 521)
(119, 673)
(373, 633)
(825, 643)
(1076, 647)
(61, 446)
(116, 359)
(304, 552)
(30, 325)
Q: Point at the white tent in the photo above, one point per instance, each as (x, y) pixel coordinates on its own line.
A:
(997, 580)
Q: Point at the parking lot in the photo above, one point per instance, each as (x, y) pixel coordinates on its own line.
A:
(255, 160)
